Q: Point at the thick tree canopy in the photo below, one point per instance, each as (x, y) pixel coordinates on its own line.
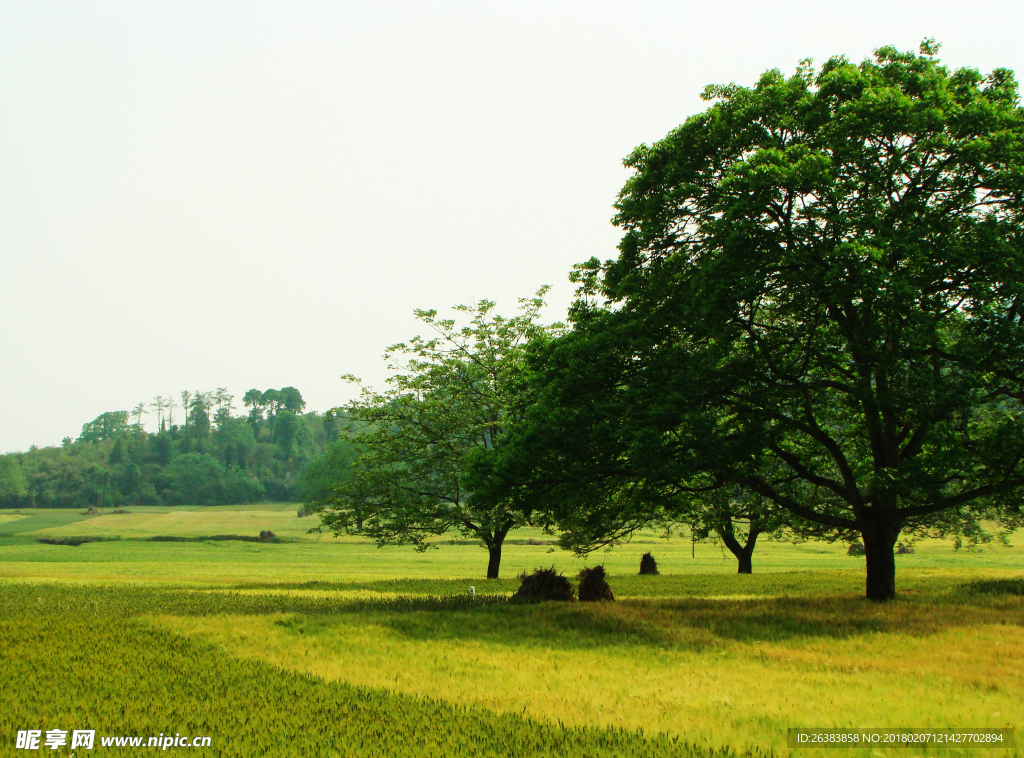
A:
(818, 299)
(454, 399)
(106, 426)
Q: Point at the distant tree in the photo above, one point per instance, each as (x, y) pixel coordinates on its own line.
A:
(186, 404)
(222, 399)
(199, 418)
(162, 448)
(160, 405)
(286, 432)
(272, 401)
(292, 400)
(328, 471)
(13, 486)
(253, 399)
(118, 454)
(106, 426)
(137, 413)
(234, 441)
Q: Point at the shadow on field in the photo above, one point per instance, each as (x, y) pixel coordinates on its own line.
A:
(687, 611)
(701, 623)
(652, 622)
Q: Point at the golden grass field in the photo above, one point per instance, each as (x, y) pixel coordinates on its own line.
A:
(718, 659)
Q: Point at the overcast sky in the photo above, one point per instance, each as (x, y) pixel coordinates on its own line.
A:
(210, 194)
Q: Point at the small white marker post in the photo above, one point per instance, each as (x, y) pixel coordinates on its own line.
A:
(472, 592)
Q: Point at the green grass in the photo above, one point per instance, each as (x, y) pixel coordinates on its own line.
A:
(326, 646)
(37, 520)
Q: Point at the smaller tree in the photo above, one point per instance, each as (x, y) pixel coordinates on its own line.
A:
(739, 518)
(137, 413)
(253, 399)
(454, 397)
(199, 418)
(160, 405)
(186, 404)
(292, 400)
(106, 426)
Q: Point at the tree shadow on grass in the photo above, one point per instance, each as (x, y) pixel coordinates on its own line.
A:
(696, 623)
(680, 623)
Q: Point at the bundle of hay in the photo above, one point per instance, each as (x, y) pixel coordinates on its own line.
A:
(648, 565)
(593, 586)
(543, 584)
(855, 548)
(267, 536)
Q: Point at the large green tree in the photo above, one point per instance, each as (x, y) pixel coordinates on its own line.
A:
(452, 399)
(818, 298)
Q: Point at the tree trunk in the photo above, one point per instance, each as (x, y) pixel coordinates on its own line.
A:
(494, 541)
(879, 543)
(744, 553)
(494, 560)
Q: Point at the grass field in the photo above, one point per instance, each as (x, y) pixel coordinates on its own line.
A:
(379, 652)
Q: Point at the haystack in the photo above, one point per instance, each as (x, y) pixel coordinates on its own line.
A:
(543, 584)
(593, 586)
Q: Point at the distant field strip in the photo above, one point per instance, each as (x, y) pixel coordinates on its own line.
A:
(353, 559)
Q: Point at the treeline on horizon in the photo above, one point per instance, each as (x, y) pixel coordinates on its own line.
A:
(213, 458)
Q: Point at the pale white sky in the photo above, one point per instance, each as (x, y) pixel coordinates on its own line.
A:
(256, 194)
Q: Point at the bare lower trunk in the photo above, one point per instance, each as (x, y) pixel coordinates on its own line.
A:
(744, 553)
(494, 542)
(493, 561)
(879, 543)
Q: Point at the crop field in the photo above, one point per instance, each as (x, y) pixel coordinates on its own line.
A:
(323, 646)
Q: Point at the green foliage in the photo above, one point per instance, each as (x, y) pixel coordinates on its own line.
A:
(330, 469)
(106, 426)
(456, 397)
(216, 458)
(286, 432)
(118, 454)
(818, 299)
(199, 478)
(13, 486)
